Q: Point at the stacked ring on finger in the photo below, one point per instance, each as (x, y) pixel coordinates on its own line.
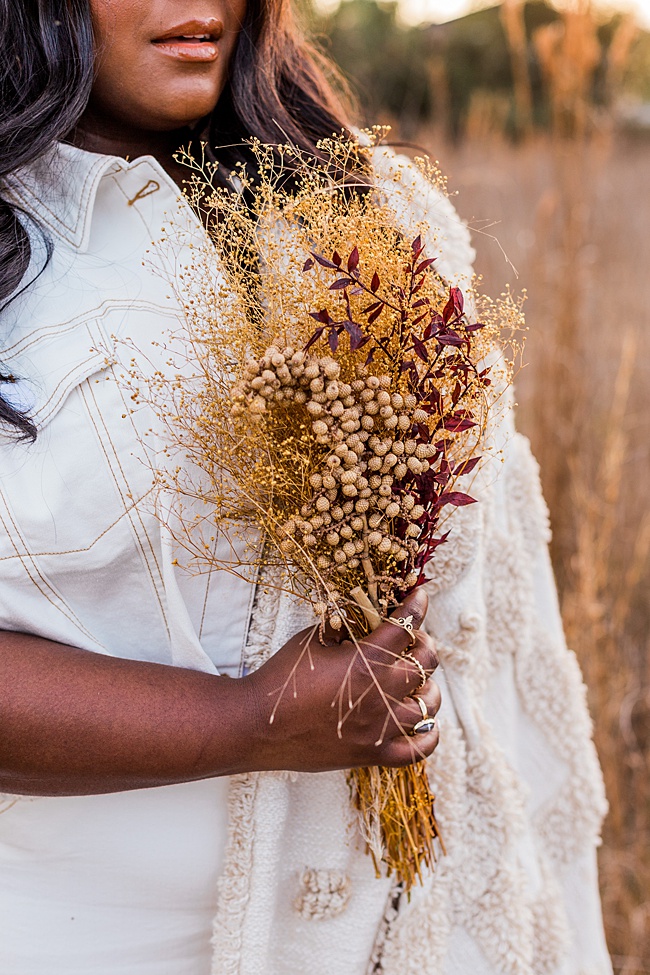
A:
(404, 623)
(428, 722)
(420, 669)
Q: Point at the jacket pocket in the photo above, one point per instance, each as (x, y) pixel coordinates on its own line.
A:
(48, 363)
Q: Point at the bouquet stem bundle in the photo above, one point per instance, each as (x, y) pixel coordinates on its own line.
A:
(337, 408)
(397, 805)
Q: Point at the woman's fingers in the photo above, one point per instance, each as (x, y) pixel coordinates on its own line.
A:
(415, 605)
(413, 666)
(408, 712)
(407, 751)
(399, 655)
(405, 748)
(390, 639)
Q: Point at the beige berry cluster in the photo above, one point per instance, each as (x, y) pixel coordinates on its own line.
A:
(347, 522)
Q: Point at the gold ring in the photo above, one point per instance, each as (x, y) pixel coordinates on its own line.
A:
(421, 705)
(428, 722)
(404, 623)
(420, 669)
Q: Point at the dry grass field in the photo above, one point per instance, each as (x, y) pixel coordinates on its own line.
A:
(572, 217)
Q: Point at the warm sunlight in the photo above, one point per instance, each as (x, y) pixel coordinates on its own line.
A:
(438, 11)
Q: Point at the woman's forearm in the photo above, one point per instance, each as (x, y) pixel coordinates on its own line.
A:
(79, 723)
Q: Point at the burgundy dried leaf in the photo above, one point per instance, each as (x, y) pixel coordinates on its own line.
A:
(420, 348)
(372, 307)
(321, 316)
(455, 498)
(353, 260)
(371, 355)
(356, 335)
(420, 303)
(433, 399)
(374, 284)
(433, 544)
(466, 467)
(339, 284)
(323, 261)
(315, 337)
(308, 265)
(456, 296)
(450, 338)
(419, 319)
(375, 315)
(456, 424)
(430, 331)
(442, 539)
(333, 339)
(336, 258)
(449, 308)
(417, 246)
(356, 290)
(474, 327)
(424, 265)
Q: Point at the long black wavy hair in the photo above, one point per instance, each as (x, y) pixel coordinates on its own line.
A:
(279, 83)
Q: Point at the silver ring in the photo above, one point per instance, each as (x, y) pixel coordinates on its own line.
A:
(425, 726)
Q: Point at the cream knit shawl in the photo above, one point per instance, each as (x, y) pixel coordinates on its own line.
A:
(520, 794)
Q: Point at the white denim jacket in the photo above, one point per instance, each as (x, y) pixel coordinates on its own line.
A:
(81, 552)
(83, 562)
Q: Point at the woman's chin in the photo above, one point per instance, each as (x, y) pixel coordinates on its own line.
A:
(177, 116)
(163, 108)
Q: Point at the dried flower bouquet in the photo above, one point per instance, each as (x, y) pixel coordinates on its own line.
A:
(339, 399)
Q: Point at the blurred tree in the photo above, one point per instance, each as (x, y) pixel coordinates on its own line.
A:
(636, 78)
(385, 62)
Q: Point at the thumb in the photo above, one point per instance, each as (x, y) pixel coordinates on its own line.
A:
(415, 605)
(387, 642)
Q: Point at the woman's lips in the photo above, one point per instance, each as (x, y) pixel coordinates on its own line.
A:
(193, 41)
(188, 48)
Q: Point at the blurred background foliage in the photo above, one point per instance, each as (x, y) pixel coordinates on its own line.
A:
(440, 73)
(540, 116)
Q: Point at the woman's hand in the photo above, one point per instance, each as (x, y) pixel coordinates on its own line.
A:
(317, 707)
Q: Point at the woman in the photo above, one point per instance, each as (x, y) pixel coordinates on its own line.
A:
(148, 808)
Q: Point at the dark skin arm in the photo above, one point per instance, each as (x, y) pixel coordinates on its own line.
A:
(78, 723)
